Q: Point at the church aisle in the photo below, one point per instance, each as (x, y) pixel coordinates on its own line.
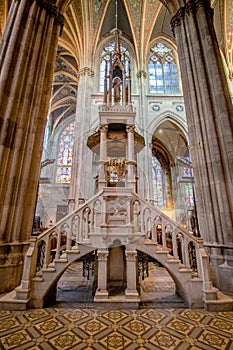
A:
(66, 329)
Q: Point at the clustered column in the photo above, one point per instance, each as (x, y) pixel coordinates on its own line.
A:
(27, 55)
(209, 116)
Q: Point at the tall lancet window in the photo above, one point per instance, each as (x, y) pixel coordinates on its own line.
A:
(163, 73)
(157, 180)
(65, 154)
(106, 56)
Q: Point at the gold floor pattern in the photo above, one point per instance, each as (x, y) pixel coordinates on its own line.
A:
(66, 329)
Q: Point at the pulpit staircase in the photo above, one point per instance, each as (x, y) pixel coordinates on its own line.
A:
(116, 215)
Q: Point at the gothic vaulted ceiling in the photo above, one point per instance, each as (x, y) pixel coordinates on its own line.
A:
(87, 22)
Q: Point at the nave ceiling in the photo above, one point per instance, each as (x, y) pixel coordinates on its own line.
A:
(87, 23)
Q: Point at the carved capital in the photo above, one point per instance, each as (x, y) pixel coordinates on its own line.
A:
(86, 71)
(103, 128)
(130, 128)
(51, 9)
(49, 6)
(177, 19)
(102, 255)
(141, 74)
(131, 255)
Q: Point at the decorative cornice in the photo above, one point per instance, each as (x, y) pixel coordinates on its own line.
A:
(86, 71)
(191, 7)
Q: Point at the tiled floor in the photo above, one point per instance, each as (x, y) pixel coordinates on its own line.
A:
(66, 326)
(65, 329)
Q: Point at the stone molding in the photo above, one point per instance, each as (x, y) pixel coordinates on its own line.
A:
(191, 7)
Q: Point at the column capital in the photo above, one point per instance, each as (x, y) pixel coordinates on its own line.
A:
(131, 255)
(102, 255)
(50, 7)
(141, 74)
(191, 7)
(130, 128)
(103, 127)
(86, 71)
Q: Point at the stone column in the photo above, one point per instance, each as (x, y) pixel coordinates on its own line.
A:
(209, 115)
(131, 180)
(3, 15)
(103, 156)
(82, 182)
(101, 292)
(131, 270)
(27, 55)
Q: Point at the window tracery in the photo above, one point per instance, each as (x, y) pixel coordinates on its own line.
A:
(163, 73)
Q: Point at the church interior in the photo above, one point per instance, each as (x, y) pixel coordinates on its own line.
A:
(116, 163)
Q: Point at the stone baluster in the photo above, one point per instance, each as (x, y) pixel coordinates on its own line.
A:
(58, 247)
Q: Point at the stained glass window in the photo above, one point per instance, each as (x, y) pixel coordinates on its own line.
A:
(163, 74)
(157, 180)
(105, 62)
(64, 155)
(189, 198)
(189, 195)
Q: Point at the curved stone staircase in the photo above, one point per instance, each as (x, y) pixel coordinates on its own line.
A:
(116, 215)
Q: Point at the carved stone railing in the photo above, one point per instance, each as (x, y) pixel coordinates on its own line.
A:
(114, 214)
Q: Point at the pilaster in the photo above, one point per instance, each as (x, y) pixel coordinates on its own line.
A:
(101, 292)
(131, 260)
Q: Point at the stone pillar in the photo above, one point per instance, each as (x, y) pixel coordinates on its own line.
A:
(131, 179)
(27, 54)
(103, 156)
(131, 270)
(81, 185)
(101, 292)
(209, 115)
(3, 15)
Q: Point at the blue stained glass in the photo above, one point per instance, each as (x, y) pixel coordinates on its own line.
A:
(163, 69)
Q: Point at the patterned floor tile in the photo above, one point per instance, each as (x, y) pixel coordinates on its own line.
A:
(90, 329)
